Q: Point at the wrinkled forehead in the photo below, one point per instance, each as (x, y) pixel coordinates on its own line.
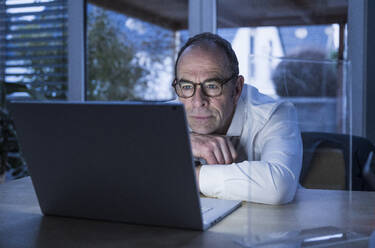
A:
(204, 55)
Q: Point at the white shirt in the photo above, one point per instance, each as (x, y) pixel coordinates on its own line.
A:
(267, 138)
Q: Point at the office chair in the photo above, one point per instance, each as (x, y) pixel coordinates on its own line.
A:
(326, 164)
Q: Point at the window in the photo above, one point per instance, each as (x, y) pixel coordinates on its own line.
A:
(33, 65)
(33, 48)
(130, 55)
(294, 51)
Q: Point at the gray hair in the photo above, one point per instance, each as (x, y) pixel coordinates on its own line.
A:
(218, 41)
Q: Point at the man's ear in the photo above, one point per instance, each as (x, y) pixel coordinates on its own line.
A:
(238, 88)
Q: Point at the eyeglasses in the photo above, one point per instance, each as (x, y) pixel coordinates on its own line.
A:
(211, 87)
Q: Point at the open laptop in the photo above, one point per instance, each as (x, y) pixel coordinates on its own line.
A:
(128, 162)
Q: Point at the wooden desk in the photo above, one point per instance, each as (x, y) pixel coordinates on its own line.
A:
(22, 225)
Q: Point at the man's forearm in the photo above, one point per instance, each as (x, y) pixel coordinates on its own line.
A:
(254, 181)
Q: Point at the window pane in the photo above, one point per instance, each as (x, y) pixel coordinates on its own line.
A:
(293, 51)
(33, 49)
(129, 58)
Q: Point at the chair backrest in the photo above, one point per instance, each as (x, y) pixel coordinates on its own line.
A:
(326, 161)
(326, 170)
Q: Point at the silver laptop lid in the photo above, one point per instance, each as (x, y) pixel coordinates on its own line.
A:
(123, 161)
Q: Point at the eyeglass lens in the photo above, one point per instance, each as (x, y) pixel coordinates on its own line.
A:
(210, 88)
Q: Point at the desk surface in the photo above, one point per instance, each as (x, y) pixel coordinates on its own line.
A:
(22, 224)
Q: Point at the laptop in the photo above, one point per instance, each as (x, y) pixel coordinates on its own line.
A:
(129, 162)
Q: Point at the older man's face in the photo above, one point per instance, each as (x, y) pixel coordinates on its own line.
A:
(208, 115)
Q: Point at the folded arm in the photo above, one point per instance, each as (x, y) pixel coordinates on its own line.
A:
(273, 177)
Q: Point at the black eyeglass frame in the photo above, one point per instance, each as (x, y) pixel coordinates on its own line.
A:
(221, 81)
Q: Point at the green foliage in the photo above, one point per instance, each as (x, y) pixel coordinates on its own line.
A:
(10, 158)
(114, 72)
(306, 74)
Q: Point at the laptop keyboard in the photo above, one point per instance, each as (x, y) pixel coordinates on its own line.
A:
(206, 209)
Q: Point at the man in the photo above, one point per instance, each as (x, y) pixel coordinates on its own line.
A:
(251, 144)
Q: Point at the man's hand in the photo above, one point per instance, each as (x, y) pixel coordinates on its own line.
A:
(215, 149)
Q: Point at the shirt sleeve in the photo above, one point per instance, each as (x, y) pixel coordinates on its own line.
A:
(271, 180)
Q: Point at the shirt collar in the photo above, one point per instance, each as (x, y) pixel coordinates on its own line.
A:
(235, 128)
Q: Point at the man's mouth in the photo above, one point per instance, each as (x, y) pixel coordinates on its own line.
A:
(201, 117)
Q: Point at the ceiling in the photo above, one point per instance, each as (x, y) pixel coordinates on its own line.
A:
(173, 14)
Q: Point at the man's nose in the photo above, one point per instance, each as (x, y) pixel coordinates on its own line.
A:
(199, 98)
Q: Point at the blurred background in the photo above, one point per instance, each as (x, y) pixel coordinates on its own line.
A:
(312, 53)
